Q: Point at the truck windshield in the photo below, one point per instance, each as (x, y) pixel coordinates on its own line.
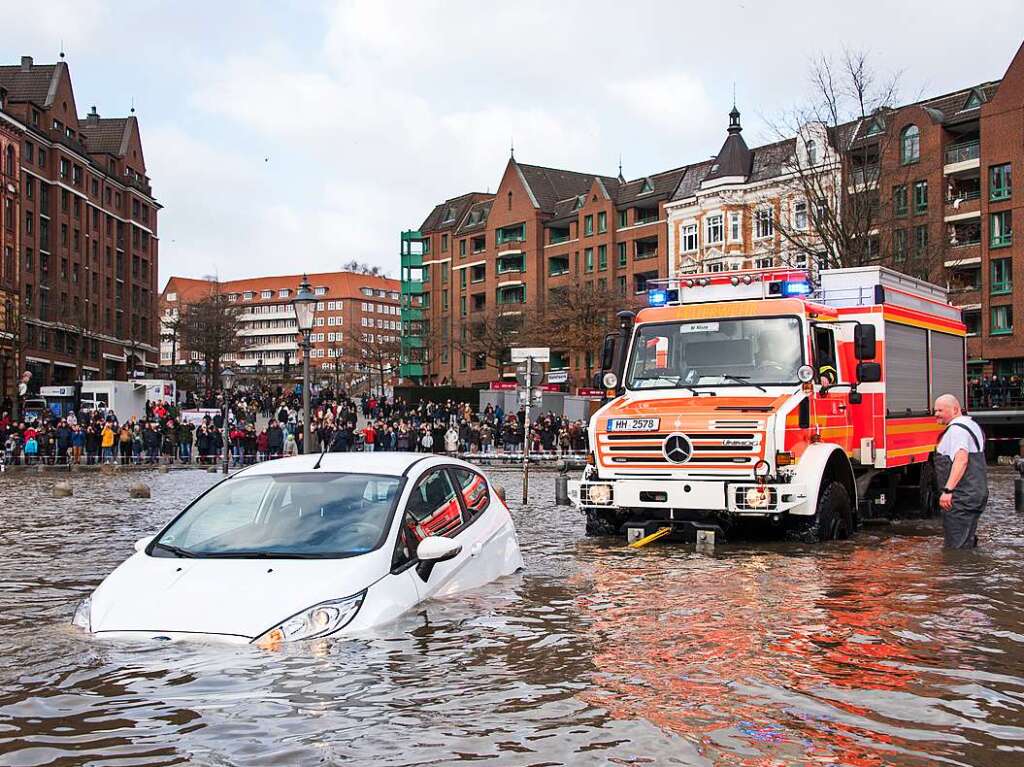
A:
(724, 352)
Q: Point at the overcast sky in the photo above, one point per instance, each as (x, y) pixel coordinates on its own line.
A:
(289, 136)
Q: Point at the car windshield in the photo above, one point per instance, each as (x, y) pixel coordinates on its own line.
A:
(716, 352)
(285, 515)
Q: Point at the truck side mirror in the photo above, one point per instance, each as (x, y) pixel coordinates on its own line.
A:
(864, 342)
(869, 372)
(608, 351)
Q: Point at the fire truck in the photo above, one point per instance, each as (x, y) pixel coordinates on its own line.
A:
(755, 395)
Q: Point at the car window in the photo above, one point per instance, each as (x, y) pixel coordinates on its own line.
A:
(433, 509)
(286, 515)
(475, 496)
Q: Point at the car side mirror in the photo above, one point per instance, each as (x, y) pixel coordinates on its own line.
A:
(434, 549)
(869, 372)
(142, 543)
(864, 342)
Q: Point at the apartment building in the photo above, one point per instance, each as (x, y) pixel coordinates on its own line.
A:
(352, 309)
(11, 132)
(936, 176)
(87, 231)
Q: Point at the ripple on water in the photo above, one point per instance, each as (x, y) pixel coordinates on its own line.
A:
(878, 651)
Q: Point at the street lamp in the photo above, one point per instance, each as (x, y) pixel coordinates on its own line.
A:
(305, 305)
(227, 380)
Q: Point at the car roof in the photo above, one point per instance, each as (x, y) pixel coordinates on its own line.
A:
(387, 463)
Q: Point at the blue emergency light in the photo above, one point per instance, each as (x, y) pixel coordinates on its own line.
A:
(661, 296)
(794, 288)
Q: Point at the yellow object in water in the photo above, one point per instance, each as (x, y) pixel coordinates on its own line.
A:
(659, 533)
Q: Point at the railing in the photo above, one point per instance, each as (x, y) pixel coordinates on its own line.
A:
(141, 184)
(966, 150)
(965, 196)
(970, 242)
(558, 238)
(645, 254)
(865, 175)
(1010, 397)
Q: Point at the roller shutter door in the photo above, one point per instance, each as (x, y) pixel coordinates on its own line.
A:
(947, 362)
(906, 370)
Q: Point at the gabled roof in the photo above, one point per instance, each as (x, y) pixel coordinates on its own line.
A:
(662, 185)
(338, 284)
(36, 82)
(105, 135)
(734, 159)
(449, 214)
(691, 179)
(551, 185)
(475, 217)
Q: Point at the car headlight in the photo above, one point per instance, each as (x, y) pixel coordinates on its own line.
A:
(601, 494)
(83, 614)
(317, 621)
(758, 497)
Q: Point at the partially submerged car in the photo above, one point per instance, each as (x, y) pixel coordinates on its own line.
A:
(307, 547)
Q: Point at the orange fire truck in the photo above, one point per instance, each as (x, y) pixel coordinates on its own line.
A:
(755, 395)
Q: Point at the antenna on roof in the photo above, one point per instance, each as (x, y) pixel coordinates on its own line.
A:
(733, 94)
(62, 49)
(512, 147)
(132, 110)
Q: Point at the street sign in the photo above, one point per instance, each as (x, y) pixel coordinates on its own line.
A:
(550, 387)
(535, 376)
(558, 376)
(536, 353)
(587, 392)
(503, 386)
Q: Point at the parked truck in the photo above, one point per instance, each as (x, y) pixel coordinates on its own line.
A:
(754, 395)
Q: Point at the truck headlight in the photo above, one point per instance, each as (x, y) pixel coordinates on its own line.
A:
(600, 494)
(317, 621)
(83, 614)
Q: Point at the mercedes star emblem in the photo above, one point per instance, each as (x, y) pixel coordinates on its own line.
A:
(677, 448)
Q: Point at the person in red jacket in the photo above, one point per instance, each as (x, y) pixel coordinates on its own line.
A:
(262, 445)
(369, 438)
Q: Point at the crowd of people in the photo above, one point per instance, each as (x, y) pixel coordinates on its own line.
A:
(265, 422)
(995, 392)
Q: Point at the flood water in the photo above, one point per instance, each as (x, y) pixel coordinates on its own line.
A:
(882, 650)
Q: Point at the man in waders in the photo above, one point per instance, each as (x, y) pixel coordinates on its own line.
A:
(960, 473)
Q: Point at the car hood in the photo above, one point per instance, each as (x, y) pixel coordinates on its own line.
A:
(236, 597)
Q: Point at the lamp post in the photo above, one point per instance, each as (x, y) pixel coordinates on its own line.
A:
(227, 379)
(305, 305)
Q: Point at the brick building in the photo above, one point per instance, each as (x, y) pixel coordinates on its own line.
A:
(939, 172)
(11, 132)
(353, 310)
(88, 255)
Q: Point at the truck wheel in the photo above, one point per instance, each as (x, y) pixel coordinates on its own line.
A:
(833, 518)
(599, 524)
(927, 496)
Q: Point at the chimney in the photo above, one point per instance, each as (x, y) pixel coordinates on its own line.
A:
(93, 117)
(26, 63)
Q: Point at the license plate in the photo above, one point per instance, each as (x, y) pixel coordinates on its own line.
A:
(633, 424)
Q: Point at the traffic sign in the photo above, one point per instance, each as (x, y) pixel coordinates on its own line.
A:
(536, 353)
(536, 375)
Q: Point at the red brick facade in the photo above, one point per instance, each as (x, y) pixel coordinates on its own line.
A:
(11, 132)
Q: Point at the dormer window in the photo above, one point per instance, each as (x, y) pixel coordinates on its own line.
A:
(973, 100)
(321, 291)
(284, 293)
(449, 215)
(247, 295)
(874, 127)
(266, 294)
(580, 200)
(647, 188)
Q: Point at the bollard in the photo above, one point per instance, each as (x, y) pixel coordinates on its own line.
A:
(62, 490)
(561, 490)
(139, 490)
(705, 541)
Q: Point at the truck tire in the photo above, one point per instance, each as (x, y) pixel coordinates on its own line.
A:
(600, 524)
(928, 498)
(832, 519)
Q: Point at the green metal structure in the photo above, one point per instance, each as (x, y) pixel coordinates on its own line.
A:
(414, 321)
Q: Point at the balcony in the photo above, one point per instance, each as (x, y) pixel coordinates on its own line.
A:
(512, 295)
(965, 151)
(645, 249)
(139, 183)
(864, 176)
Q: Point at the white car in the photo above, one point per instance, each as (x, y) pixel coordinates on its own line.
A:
(308, 547)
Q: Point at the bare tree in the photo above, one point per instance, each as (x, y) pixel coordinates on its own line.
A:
(846, 186)
(486, 338)
(378, 354)
(360, 267)
(210, 327)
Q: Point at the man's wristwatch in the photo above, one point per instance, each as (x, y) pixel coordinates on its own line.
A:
(947, 490)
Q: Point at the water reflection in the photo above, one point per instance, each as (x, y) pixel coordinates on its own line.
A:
(881, 650)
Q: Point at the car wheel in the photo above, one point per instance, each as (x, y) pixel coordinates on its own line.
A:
(832, 519)
(600, 523)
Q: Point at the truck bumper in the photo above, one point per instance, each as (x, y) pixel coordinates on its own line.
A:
(733, 497)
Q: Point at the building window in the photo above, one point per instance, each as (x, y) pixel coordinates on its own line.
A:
(1002, 276)
(800, 216)
(247, 295)
(910, 145)
(899, 245)
(266, 294)
(920, 239)
(621, 285)
(734, 227)
(602, 222)
(899, 200)
(999, 182)
(462, 279)
(689, 238)
(763, 223)
(462, 248)
(972, 319)
(1000, 229)
(622, 254)
(444, 243)
(920, 196)
(588, 225)
(1001, 320)
(713, 230)
(622, 218)
(320, 291)
(812, 152)
(602, 257)
(558, 265)
(588, 260)
(516, 233)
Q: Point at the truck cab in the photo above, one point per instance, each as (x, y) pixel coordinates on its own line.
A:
(753, 395)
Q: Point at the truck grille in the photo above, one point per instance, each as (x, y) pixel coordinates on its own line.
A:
(727, 449)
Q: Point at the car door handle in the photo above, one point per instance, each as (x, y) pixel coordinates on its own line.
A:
(475, 549)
